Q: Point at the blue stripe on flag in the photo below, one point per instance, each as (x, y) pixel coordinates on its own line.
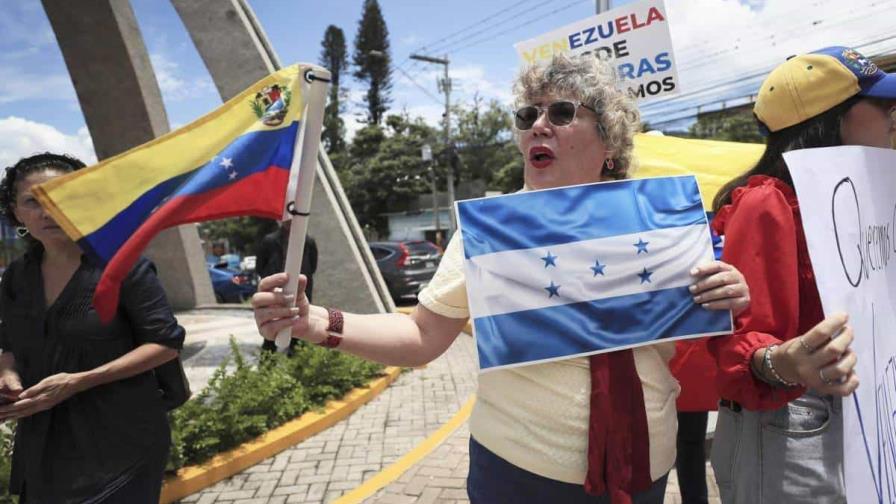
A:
(591, 326)
(250, 153)
(516, 221)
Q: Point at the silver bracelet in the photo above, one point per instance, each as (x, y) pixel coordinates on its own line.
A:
(767, 363)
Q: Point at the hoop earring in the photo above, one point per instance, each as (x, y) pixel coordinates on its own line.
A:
(22, 231)
(609, 165)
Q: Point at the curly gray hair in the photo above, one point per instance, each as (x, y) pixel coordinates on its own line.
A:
(593, 82)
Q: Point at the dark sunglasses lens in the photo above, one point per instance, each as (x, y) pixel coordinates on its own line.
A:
(561, 113)
(525, 117)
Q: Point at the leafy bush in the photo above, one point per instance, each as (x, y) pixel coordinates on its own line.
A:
(243, 402)
(240, 404)
(7, 431)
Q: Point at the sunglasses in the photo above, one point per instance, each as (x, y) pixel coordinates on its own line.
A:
(560, 113)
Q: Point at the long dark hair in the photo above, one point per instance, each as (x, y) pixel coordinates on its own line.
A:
(822, 130)
(23, 168)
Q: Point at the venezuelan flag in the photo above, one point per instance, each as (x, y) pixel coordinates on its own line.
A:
(234, 161)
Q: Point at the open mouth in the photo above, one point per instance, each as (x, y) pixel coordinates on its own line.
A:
(541, 156)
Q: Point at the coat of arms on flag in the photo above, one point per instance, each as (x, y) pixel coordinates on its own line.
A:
(574, 271)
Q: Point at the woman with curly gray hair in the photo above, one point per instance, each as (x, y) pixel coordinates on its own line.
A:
(534, 438)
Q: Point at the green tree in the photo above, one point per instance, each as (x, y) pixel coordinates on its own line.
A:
(384, 171)
(737, 126)
(334, 57)
(372, 61)
(485, 146)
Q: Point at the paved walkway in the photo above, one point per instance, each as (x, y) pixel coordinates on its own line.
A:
(339, 459)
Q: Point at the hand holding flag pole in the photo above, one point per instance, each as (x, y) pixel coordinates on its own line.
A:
(302, 174)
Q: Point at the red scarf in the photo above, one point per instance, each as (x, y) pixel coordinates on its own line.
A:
(618, 439)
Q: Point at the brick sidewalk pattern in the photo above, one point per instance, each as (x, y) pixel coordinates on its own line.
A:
(441, 478)
(336, 461)
(342, 457)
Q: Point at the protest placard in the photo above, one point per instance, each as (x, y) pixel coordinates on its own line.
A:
(634, 36)
(847, 201)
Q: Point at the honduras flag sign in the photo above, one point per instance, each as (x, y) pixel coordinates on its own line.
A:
(580, 270)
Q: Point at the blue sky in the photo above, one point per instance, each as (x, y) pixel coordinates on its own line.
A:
(721, 48)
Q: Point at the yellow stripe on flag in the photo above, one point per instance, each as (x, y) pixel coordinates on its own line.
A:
(713, 162)
(81, 202)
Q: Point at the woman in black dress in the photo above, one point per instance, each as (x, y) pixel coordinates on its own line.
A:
(91, 422)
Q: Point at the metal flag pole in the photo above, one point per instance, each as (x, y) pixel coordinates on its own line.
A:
(303, 168)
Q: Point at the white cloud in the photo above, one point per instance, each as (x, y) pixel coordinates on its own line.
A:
(18, 84)
(468, 80)
(174, 86)
(352, 103)
(21, 137)
(431, 114)
(410, 40)
(24, 24)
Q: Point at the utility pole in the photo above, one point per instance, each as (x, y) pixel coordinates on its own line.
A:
(445, 87)
(601, 6)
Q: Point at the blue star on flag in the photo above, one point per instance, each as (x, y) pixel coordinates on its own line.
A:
(552, 290)
(549, 260)
(645, 276)
(598, 268)
(642, 245)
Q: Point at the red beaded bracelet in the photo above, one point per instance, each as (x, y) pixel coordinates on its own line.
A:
(334, 329)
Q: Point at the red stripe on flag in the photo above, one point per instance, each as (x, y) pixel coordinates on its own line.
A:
(261, 194)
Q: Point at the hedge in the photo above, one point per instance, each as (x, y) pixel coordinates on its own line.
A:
(242, 401)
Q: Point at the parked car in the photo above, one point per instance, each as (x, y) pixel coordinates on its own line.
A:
(248, 263)
(229, 285)
(406, 266)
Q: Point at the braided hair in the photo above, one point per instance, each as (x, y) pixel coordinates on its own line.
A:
(26, 166)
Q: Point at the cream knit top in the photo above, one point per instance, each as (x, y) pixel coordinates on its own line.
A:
(536, 417)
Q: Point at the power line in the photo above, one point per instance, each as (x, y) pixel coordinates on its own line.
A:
(738, 79)
(434, 46)
(539, 17)
(751, 81)
(431, 47)
(735, 81)
(420, 87)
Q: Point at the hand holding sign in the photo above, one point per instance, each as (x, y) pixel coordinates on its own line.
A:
(819, 359)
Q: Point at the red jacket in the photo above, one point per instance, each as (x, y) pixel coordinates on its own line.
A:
(695, 370)
(764, 239)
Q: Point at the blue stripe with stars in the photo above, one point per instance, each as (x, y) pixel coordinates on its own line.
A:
(514, 221)
(562, 332)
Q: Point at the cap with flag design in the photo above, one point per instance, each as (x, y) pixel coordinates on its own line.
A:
(807, 85)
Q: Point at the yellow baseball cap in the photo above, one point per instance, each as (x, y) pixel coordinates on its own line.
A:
(807, 85)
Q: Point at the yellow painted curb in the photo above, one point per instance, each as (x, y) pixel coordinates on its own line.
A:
(192, 479)
(394, 471)
(407, 310)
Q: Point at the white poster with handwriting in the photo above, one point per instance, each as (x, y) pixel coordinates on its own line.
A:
(634, 36)
(847, 201)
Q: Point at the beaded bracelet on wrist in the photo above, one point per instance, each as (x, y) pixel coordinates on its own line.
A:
(767, 363)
